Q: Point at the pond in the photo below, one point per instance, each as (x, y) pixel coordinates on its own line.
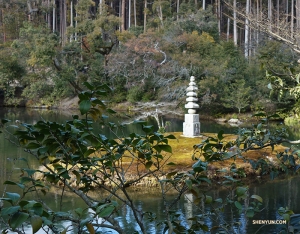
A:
(275, 194)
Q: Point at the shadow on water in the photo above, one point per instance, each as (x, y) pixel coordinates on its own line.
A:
(275, 194)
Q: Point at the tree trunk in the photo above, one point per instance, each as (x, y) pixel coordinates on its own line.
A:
(53, 18)
(177, 9)
(298, 15)
(123, 27)
(63, 21)
(145, 16)
(203, 4)
(71, 18)
(235, 37)
(246, 51)
(228, 28)
(219, 15)
(134, 9)
(129, 13)
(292, 19)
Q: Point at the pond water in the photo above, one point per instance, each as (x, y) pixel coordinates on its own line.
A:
(275, 194)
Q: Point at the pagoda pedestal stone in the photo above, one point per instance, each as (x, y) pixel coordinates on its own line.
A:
(191, 125)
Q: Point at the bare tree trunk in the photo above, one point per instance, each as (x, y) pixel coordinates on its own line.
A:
(71, 18)
(270, 13)
(235, 37)
(145, 16)
(298, 14)
(134, 9)
(203, 4)
(177, 9)
(63, 21)
(129, 13)
(228, 28)
(53, 18)
(123, 4)
(246, 51)
(219, 15)
(292, 19)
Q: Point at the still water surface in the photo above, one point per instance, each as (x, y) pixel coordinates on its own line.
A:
(275, 194)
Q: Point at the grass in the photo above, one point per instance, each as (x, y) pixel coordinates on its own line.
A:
(183, 150)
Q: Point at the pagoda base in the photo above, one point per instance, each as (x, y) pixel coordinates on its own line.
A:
(191, 125)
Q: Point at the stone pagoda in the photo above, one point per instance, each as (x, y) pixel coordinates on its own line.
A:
(191, 125)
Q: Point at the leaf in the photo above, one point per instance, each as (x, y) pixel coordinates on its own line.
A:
(78, 177)
(4, 121)
(14, 183)
(18, 219)
(238, 205)
(208, 199)
(13, 196)
(240, 191)
(106, 211)
(286, 217)
(9, 210)
(220, 135)
(258, 198)
(170, 137)
(36, 223)
(84, 106)
(166, 148)
(169, 175)
(148, 165)
(90, 228)
(88, 85)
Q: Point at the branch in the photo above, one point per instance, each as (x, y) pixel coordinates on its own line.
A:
(165, 56)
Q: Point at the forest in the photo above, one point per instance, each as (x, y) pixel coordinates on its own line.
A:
(243, 54)
(245, 58)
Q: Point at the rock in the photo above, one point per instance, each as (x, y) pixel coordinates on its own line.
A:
(233, 121)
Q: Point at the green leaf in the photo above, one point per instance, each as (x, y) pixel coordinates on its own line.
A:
(169, 175)
(258, 198)
(286, 217)
(240, 191)
(4, 121)
(106, 211)
(170, 137)
(36, 223)
(189, 184)
(148, 165)
(88, 85)
(208, 199)
(250, 213)
(13, 196)
(220, 135)
(238, 205)
(166, 148)
(84, 106)
(14, 183)
(10, 210)
(18, 219)
(78, 177)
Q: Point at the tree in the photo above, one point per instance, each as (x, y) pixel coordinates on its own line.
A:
(237, 95)
(11, 75)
